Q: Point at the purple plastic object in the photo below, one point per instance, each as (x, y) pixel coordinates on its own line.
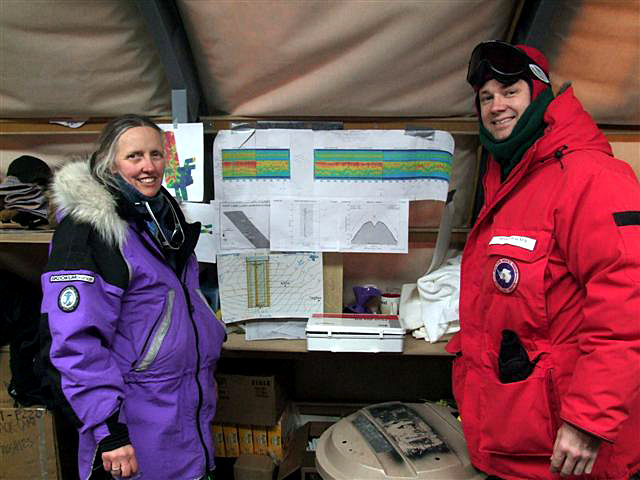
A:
(363, 295)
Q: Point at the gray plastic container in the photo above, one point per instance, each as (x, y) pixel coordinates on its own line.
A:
(396, 441)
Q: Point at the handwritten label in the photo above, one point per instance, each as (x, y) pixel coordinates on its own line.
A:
(515, 240)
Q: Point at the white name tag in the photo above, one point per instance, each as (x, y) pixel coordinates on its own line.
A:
(72, 277)
(515, 240)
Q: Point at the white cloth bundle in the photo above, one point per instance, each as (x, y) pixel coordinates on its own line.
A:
(430, 306)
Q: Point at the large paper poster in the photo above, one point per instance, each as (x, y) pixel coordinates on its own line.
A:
(382, 164)
(272, 285)
(184, 153)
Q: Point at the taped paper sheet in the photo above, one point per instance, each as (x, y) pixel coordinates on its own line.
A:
(344, 225)
(184, 154)
(387, 164)
(208, 243)
(276, 285)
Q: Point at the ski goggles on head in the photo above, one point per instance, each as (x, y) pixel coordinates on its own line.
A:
(502, 61)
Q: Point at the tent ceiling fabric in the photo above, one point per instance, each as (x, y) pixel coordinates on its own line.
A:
(339, 58)
(63, 58)
(59, 58)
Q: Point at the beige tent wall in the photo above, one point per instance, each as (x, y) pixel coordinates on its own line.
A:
(363, 58)
(600, 54)
(73, 58)
(340, 58)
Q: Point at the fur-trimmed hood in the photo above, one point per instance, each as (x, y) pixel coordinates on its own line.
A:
(75, 192)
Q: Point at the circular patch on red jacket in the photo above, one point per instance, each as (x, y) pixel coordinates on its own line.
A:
(506, 275)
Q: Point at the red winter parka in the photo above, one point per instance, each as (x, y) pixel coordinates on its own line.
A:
(555, 257)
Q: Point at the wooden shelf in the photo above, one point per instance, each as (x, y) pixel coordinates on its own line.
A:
(466, 125)
(236, 345)
(8, 235)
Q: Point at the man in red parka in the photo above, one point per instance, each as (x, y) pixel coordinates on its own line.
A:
(547, 367)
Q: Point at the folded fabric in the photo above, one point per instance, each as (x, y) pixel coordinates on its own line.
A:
(13, 185)
(31, 204)
(41, 212)
(439, 293)
(35, 193)
(430, 307)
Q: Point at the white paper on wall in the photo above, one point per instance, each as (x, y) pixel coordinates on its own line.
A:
(184, 153)
(276, 285)
(208, 243)
(345, 225)
(388, 164)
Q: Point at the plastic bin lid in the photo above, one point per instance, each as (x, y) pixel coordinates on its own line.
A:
(395, 441)
(366, 324)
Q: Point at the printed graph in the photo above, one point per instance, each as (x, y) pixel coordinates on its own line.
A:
(258, 164)
(246, 227)
(376, 227)
(273, 285)
(258, 291)
(361, 164)
(371, 233)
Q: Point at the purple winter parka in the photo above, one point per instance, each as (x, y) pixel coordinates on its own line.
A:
(554, 256)
(131, 340)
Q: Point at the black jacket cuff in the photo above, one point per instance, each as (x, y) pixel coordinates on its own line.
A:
(118, 434)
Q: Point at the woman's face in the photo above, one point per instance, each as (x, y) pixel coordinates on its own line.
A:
(140, 159)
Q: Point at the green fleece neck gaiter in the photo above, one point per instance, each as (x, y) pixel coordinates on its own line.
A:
(529, 128)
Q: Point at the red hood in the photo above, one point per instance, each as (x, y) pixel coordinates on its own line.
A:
(569, 124)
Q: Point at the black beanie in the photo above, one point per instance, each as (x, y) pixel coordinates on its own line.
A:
(30, 169)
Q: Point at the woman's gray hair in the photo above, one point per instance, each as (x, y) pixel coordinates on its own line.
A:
(103, 160)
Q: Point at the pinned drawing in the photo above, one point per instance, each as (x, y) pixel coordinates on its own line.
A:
(371, 233)
(208, 241)
(244, 226)
(368, 164)
(292, 163)
(274, 285)
(184, 154)
(255, 164)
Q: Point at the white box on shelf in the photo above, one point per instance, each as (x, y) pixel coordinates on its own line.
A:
(352, 332)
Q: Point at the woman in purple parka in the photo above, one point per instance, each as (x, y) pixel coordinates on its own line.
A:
(132, 343)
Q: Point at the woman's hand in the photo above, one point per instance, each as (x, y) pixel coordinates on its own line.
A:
(121, 462)
(574, 451)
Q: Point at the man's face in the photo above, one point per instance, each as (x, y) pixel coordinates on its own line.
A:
(501, 106)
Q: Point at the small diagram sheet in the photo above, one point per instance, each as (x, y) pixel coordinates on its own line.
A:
(342, 225)
(244, 225)
(208, 243)
(184, 154)
(276, 285)
(389, 164)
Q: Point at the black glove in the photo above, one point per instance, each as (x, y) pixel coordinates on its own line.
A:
(513, 363)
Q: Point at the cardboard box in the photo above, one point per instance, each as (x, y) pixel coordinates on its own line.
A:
(5, 377)
(249, 400)
(279, 435)
(27, 444)
(253, 467)
(218, 440)
(245, 438)
(231, 445)
(297, 458)
(260, 440)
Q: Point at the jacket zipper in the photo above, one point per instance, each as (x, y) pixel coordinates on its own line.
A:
(155, 251)
(199, 406)
(158, 337)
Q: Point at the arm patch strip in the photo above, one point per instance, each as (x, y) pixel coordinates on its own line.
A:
(624, 219)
